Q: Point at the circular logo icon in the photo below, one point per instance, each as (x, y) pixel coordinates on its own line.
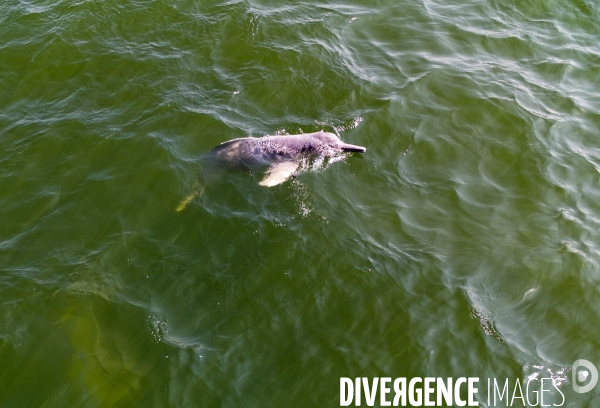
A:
(580, 376)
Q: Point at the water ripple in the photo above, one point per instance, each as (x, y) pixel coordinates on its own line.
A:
(464, 243)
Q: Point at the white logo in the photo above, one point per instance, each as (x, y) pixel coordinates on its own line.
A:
(582, 375)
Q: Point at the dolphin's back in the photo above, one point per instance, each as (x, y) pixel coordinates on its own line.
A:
(237, 154)
(251, 153)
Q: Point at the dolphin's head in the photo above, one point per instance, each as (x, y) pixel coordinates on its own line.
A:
(318, 143)
(328, 142)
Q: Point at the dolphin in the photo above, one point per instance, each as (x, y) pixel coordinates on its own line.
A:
(280, 155)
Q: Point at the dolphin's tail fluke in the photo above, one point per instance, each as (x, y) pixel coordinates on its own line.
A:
(197, 191)
(352, 148)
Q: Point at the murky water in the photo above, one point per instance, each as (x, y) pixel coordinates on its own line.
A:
(464, 243)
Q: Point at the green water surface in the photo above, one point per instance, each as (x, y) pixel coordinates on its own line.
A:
(464, 243)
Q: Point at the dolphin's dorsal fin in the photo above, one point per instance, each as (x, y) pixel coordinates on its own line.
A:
(278, 173)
